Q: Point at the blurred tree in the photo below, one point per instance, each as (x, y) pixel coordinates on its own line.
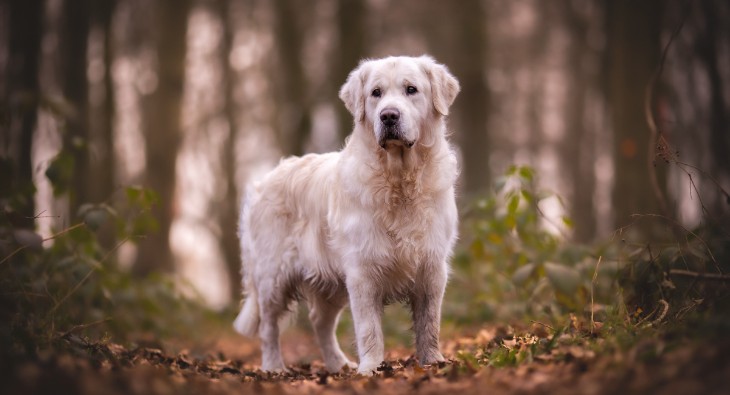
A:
(461, 42)
(163, 132)
(709, 40)
(101, 172)
(295, 106)
(470, 47)
(228, 210)
(100, 184)
(578, 152)
(21, 101)
(632, 55)
(74, 39)
(351, 19)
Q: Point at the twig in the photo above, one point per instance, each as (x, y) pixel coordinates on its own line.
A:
(40, 215)
(706, 174)
(86, 277)
(72, 291)
(685, 229)
(651, 123)
(543, 324)
(551, 222)
(83, 326)
(53, 236)
(663, 314)
(21, 248)
(700, 276)
(660, 317)
(593, 282)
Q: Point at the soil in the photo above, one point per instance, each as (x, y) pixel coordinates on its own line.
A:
(228, 364)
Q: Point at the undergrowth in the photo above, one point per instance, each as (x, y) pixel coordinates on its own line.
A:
(70, 283)
(516, 265)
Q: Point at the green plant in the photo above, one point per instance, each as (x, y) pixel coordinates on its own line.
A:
(516, 262)
(71, 282)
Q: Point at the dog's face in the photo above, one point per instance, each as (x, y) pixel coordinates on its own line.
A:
(396, 96)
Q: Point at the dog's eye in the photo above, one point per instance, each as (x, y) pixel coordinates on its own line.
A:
(376, 93)
(411, 90)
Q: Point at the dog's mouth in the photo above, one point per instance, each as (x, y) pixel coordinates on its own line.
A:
(392, 136)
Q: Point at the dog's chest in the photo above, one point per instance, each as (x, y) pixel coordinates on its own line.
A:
(407, 224)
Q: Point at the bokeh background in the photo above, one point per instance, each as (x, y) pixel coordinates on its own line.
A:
(194, 98)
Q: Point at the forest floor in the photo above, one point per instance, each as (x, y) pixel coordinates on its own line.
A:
(226, 364)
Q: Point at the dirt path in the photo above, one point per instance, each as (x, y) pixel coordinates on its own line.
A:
(84, 367)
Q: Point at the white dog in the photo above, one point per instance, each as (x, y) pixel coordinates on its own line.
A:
(371, 224)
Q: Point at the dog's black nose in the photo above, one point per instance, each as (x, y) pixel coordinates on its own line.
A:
(389, 116)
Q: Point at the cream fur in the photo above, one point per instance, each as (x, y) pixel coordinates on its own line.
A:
(371, 224)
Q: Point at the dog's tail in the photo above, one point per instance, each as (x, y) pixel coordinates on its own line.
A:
(247, 322)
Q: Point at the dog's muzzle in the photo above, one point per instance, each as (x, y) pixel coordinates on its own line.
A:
(391, 130)
(390, 117)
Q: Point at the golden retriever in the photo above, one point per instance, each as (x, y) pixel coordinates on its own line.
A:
(371, 224)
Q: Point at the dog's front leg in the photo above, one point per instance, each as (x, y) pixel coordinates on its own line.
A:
(426, 305)
(367, 307)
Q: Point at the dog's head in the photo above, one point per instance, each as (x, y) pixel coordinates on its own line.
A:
(396, 96)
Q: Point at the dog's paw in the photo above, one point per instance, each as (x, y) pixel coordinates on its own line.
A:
(274, 368)
(338, 366)
(367, 368)
(349, 365)
(431, 358)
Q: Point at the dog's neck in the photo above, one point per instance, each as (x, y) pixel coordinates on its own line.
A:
(395, 158)
(399, 165)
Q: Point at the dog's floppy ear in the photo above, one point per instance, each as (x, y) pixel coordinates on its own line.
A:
(444, 86)
(352, 92)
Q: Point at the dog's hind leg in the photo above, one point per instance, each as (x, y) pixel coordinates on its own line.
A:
(324, 314)
(271, 309)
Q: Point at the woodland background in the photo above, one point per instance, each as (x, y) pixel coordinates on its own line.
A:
(593, 138)
(194, 98)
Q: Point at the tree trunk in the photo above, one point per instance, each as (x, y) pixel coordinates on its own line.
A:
(707, 49)
(351, 17)
(294, 130)
(23, 94)
(473, 101)
(633, 51)
(75, 37)
(578, 151)
(163, 131)
(101, 171)
(228, 211)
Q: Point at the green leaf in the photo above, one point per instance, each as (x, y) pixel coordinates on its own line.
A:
(499, 183)
(145, 198)
(109, 209)
(150, 197)
(527, 173)
(568, 222)
(512, 205)
(28, 238)
(565, 279)
(527, 195)
(84, 208)
(521, 275)
(60, 172)
(95, 218)
(133, 193)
